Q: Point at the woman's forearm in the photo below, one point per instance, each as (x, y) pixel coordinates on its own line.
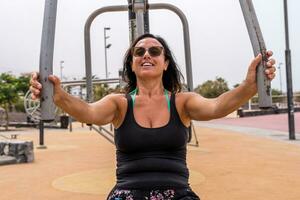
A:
(74, 106)
(233, 99)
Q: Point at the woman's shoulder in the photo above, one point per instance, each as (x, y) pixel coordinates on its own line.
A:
(185, 95)
(180, 103)
(182, 98)
(116, 96)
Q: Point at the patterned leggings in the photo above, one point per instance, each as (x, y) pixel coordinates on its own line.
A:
(170, 194)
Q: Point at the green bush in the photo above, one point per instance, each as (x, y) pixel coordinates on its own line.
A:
(212, 89)
(19, 105)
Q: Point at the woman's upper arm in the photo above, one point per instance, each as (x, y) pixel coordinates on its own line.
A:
(105, 110)
(198, 107)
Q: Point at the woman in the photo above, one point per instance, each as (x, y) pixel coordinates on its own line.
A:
(151, 120)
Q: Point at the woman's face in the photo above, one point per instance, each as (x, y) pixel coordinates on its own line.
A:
(149, 63)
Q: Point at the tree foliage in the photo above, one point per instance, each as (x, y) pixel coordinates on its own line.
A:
(212, 88)
(275, 92)
(8, 90)
(11, 91)
(23, 84)
(100, 90)
(8, 93)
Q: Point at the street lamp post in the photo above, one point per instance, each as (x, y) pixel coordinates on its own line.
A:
(280, 79)
(289, 82)
(106, 46)
(61, 68)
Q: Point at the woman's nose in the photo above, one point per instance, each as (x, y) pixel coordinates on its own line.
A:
(146, 54)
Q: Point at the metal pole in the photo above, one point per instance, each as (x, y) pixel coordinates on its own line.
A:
(41, 127)
(280, 79)
(46, 60)
(258, 45)
(186, 39)
(46, 67)
(41, 138)
(61, 68)
(146, 18)
(87, 45)
(70, 123)
(132, 20)
(139, 7)
(105, 53)
(289, 81)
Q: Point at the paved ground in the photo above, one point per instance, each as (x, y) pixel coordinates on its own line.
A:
(268, 126)
(277, 122)
(228, 165)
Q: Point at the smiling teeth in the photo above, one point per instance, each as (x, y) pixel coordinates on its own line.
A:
(147, 64)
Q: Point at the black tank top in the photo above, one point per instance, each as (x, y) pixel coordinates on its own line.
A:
(151, 157)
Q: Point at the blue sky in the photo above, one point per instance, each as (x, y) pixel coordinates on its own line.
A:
(220, 43)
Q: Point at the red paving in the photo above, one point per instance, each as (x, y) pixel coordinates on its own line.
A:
(277, 122)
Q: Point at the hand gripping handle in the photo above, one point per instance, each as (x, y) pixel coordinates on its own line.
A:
(46, 60)
(258, 45)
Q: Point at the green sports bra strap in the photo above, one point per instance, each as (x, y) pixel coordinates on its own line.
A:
(134, 92)
(168, 100)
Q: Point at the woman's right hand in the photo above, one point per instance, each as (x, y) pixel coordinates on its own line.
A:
(36, 86)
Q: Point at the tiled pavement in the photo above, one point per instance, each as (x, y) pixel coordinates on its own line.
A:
(228, 165)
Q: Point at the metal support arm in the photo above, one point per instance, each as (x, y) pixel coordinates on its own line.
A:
(258, 44)
(46, 60)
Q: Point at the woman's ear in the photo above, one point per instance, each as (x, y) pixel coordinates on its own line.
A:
(132, 68)
(166, 65)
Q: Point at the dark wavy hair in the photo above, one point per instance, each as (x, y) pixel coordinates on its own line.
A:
(171, 77)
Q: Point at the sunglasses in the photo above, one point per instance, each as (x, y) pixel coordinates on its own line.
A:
(153, 51)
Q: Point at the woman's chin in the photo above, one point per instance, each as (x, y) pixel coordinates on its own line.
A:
(148, 73)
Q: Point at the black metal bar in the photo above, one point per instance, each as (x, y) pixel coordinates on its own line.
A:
(111, 140)
(106, 131)
(70, 123)
(132, 20)
(289, 81)
(41, 128)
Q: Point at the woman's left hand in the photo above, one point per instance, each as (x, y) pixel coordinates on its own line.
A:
(269, 72)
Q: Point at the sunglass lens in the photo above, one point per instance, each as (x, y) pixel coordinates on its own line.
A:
(139, 51)
(155, 51)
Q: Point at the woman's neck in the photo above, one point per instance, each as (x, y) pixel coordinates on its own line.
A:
(150, 88)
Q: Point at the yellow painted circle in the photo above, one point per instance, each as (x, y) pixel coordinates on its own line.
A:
(196, 178)
(200, 149)
(101, 181)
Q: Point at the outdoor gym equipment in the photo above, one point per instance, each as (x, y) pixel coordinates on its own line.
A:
(46, 60)
(139, 7)
(258, 45)
(138, 21)
(138, 24)
(136, 29)
(32, 107)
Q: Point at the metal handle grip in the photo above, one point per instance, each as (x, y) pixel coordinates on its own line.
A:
(258, 45)
(46, 60)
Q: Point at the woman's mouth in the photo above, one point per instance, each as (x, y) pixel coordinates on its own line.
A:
(147, 64)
